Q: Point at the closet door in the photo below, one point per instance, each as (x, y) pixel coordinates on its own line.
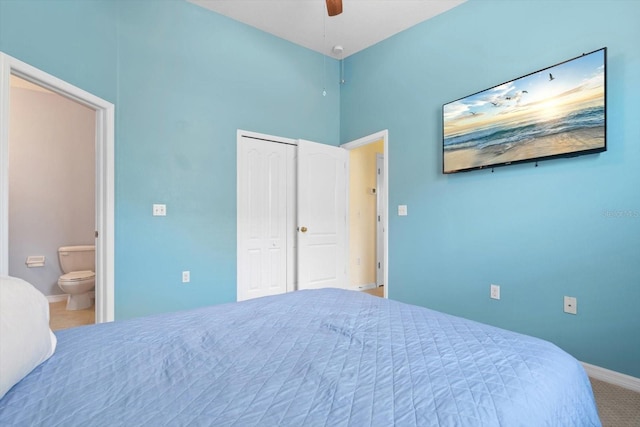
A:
(322, 216)
(264, 170)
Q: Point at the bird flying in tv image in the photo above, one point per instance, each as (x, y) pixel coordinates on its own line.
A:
(554, 112)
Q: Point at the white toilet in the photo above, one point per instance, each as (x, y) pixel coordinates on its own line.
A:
(78, 264)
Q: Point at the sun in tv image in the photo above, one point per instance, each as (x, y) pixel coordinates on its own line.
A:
(557, 111)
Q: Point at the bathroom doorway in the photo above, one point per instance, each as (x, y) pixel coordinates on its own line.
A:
(51, 189)
(102, 180)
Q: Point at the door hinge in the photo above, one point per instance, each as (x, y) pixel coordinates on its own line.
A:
(96, 234)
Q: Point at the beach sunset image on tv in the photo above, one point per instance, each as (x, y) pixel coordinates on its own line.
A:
(557, 111)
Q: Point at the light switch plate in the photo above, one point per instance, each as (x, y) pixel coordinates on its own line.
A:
(495, 292)
(402, 210)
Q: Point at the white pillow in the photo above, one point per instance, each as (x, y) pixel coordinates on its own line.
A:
(25, 338)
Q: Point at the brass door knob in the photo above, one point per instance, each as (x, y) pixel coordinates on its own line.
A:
(303, 229)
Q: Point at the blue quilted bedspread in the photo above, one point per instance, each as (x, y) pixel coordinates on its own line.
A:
(309, 358)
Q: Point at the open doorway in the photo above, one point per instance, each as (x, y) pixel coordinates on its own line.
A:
(368, 209)
(103, 185)
(52, 199)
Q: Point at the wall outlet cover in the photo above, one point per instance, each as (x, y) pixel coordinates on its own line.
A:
(571, 305)
(159, 210)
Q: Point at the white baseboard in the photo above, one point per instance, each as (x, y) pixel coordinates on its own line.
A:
(57, 298)
(612, 377)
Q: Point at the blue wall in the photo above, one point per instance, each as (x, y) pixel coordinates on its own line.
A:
(541, 233)
(73, 40)
(188, 79)
(183, 80)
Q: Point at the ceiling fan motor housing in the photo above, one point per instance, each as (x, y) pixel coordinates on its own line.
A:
(334, 7)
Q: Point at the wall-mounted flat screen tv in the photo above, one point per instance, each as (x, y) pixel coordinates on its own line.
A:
(559, 111)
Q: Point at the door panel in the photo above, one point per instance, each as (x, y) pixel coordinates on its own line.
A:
(262, 216)
(322, 219)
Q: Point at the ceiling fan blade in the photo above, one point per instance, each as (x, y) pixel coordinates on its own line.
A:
(334, 7)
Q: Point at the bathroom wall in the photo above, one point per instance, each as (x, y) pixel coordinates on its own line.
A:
(51, 181)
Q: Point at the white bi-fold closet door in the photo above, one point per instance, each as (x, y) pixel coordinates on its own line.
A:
(292, 215)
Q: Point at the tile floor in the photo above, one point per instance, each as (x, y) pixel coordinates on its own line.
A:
(61, 318)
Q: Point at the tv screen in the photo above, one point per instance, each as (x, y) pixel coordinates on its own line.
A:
(558, 111)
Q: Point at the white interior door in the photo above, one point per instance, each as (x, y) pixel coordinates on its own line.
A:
(322, 216)
(265, 170)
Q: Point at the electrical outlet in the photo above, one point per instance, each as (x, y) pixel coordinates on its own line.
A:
(159, 210)
(495, 291)
(571, 305)
(186, 277)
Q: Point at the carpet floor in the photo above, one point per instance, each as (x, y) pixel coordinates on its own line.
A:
(617, 406)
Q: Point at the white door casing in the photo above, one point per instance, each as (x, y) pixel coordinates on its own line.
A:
(265, 226)
(322, 216)
(380, 220)
(104, 174)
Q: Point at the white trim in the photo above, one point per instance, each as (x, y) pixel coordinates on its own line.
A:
(612, 377)
(105, 124)
(347, 216)
(380, 230)
(5, 73)
(384, 136)
(57, 298)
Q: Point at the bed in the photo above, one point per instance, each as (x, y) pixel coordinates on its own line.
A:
(325, 357)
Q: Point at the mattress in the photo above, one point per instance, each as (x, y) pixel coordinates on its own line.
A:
(324, 357)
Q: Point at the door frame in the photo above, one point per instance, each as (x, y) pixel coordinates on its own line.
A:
(374, 137)
(104, 140)
(380, 230)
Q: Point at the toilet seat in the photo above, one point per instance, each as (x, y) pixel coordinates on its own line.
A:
(76, 276)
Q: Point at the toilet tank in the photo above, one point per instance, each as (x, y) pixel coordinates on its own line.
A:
(77, 258)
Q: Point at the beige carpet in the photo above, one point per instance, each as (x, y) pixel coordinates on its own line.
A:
(617, 406)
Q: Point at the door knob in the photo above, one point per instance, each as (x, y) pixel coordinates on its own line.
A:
(303, 229)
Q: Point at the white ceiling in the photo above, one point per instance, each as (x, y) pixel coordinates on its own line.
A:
(305, 22)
